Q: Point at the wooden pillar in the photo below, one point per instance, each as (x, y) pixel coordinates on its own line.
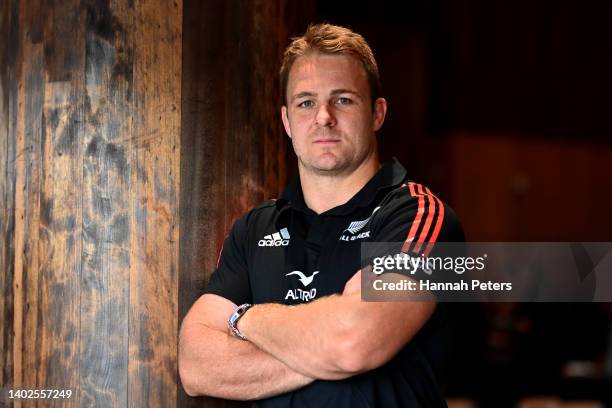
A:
(235, 153)
(89, 191)
(132, 134)
(7, 216)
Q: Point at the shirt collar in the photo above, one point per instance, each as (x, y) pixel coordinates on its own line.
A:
(390, 175)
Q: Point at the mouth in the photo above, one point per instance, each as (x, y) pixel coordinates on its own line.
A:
(326, 141)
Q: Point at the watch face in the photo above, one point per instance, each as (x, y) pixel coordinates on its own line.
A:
(234, 317)
(238, 313)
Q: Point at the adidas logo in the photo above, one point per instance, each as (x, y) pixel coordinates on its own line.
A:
(280, 238)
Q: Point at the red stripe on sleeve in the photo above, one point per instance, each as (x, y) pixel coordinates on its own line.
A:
(417, 220)
(219, 257)
(438, 227)
(430, 217)
(411, 187)
(433, 214)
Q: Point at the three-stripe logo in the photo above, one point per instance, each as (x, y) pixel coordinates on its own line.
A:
(427, 223)
(280, 238)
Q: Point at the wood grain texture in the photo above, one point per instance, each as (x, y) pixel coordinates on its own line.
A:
(94, 168)
(29, 163)
(89, 199)
(18, 133)
(234, 152)
(203, 124)
(7, 191)
(269, 39)
(106, 199)
(60, 244)
(154, 224)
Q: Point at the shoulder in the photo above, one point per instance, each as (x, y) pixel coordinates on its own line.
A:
(409, 192)
(267, 208)
(424, 215)
(255, 218)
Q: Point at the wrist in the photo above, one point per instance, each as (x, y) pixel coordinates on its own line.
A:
(242, 323)
(235, 318)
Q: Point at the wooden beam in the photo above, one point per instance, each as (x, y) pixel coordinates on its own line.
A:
(154, 217)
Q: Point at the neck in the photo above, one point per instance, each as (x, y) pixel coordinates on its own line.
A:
(323, 192)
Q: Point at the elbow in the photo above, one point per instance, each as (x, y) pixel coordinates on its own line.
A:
(352, 361)
(190, 375)
(200, 372)
(190, 388)
(189, 381)
(357, 354)
(350, 356)
(334, 359)
(194, 383)
(188, 384)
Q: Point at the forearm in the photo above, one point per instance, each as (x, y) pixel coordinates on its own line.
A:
(308, 338)
(336, 336)
(225, 367)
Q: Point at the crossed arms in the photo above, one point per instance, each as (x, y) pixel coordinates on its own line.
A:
(288, 347)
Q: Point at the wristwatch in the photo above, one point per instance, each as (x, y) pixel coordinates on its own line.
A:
(233, 320)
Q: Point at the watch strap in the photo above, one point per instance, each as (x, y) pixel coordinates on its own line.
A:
(232, 322)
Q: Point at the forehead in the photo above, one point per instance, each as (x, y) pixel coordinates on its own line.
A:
(317, 71)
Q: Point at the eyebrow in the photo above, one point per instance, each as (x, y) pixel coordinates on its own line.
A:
(341, 91)
(332, 93)
(303, 95)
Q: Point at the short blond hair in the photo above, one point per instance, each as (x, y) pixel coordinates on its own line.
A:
(331, 39)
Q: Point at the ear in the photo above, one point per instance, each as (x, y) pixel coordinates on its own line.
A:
(380, 111)
(285, 117)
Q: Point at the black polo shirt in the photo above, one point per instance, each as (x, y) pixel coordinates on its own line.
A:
(283, 252)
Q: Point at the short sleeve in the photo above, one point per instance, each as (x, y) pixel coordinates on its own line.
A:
(416, 217)
(231, 278)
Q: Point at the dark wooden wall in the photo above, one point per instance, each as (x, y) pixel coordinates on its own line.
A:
(7, 217)
(235, 153)
(90, 148)
(132, 135)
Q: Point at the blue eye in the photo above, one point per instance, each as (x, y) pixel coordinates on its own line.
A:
(306, 104)
(344, 101)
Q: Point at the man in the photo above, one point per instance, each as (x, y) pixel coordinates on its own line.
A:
(309, 340)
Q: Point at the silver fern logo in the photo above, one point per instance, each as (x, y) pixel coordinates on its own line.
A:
(356, 226)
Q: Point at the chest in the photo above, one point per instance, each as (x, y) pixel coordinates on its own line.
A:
(300, 259)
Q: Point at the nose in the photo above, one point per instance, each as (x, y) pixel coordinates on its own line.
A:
(325, 117)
